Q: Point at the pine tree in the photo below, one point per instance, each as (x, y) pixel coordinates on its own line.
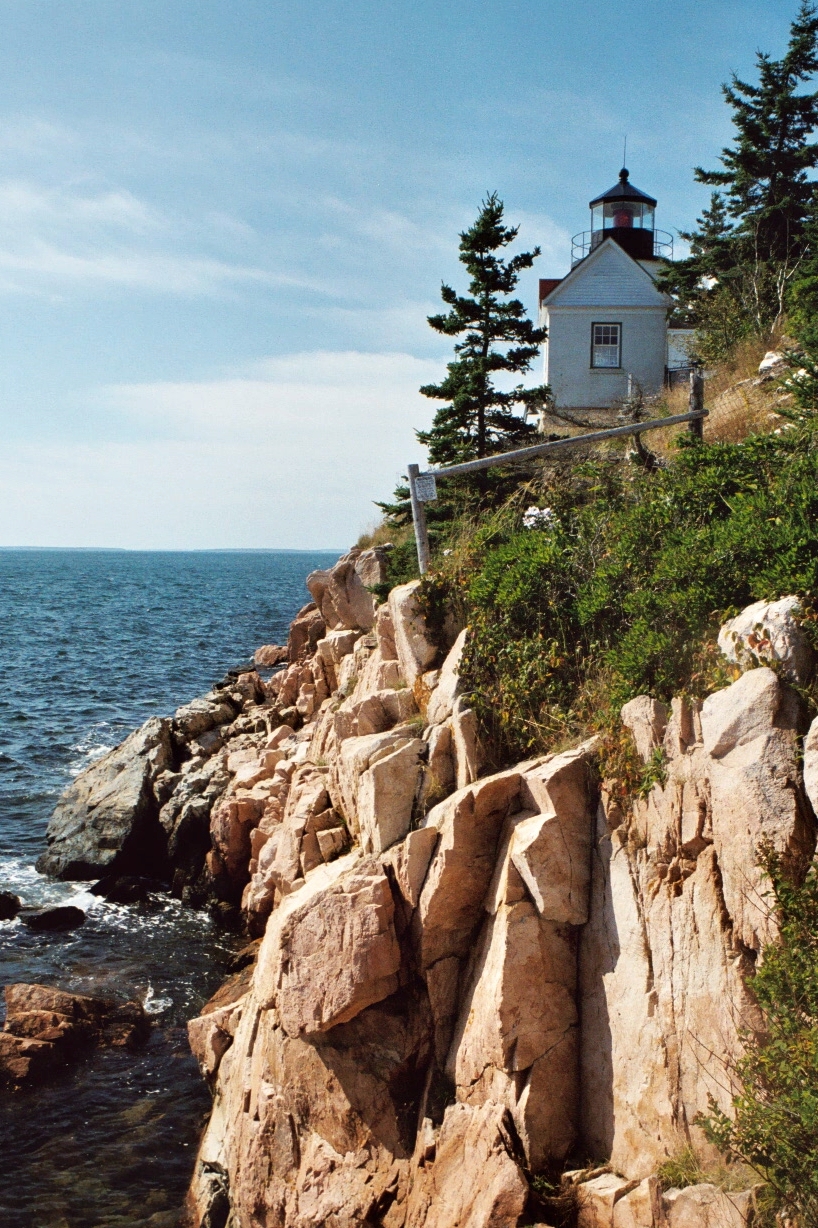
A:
(749, 244)
(498, 337)
(711, 256)
(766, 173)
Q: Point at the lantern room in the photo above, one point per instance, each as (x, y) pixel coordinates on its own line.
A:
(626, 215)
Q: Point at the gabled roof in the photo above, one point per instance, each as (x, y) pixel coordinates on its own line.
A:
(609, 277)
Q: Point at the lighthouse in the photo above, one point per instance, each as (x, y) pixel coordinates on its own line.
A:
(607, 320)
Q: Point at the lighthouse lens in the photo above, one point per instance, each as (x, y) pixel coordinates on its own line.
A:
(624, 215)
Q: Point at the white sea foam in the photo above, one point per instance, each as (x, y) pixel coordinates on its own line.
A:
(92, 746)
(21, 878)
(154, 1005)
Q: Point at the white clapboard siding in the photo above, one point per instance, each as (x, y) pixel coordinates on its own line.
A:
(608, 286)
(607, 278)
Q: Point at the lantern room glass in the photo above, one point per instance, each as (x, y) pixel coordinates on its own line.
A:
(623, 214)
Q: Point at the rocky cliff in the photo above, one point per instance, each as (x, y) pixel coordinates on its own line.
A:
(464, 982)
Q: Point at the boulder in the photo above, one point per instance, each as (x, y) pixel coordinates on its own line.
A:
(469, 824)
(647, 720)
(211, 1033)
(318, 1130)
(341, 592)
(773, 362)
(767, 632)
(51, 920)
(270, 654)
(516, 1039)
(306, 629)
(232, 821)
(465, 744)
(706, 1206)
(440, 760)
(474, 1182)
(332, 649)
(203, 714)
(409, 861)
(375, 712)
(552, 850)
(441, 703)
(598, 1197)
(416, 652)
(811, 765)
(280, 734)
(106, 821)
(356, 756)
(641, 1208)
(679, 912)
(126, 888)
(740, 712)
(386, 795)
(10, 905)
(330, 950)
(47, 1027)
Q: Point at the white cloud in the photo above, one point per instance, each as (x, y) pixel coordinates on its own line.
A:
(540, 230)
(23, 204)
(388, 227)
(290, 454)
(58, 269)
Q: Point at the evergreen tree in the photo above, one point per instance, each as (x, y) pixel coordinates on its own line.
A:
(711, 257)
(766, 173)
(497, 336)
(749, 244)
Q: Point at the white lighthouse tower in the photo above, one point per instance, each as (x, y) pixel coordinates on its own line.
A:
(607, 321)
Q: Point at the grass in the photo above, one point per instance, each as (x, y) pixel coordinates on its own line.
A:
(685, 1169)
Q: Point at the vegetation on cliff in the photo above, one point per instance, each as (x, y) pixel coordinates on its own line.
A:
(775, 1124)
(620, 584)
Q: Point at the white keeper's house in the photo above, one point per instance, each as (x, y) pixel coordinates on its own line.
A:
(607, 321)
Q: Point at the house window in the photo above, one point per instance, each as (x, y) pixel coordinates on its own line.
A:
(606, 342)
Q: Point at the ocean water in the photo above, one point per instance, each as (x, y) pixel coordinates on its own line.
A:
(92, 643)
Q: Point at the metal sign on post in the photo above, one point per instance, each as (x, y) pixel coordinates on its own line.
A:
(426, 487)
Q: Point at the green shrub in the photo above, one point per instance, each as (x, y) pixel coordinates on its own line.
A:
(629, 582)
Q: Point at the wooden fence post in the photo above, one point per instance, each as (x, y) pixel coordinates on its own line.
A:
(696, 402)
(419, 520)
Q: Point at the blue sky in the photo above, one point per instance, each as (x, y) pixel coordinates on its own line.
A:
(222, 227)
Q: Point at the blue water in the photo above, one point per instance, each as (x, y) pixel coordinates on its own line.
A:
(91, 644)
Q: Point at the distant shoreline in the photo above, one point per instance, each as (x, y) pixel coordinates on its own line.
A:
(334, 550)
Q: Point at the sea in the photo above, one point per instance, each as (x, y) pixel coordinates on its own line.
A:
(92, 643)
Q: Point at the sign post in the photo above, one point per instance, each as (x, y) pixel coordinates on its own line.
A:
(418, 497)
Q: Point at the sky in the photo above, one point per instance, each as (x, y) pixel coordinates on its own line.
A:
(222, 227)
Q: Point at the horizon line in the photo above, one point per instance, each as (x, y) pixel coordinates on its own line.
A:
(182, 549)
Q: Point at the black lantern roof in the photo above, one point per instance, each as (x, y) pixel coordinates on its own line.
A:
(623, 191)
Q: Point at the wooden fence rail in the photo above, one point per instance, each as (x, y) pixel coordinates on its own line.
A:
(423, 488)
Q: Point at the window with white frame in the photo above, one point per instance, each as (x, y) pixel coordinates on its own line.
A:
(606, 344)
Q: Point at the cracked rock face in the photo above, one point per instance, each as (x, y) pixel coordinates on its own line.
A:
(679, 914)
(460, 977)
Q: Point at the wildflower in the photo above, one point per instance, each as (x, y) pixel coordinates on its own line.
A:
(539, 518)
